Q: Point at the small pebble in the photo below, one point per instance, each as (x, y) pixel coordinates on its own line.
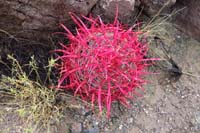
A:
(130, 120)
(120, 127)
(76, 128)
(178, 36)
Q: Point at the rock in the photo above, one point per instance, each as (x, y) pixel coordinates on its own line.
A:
(37, 18)
(92, 130)
(130, 120)
(189, 18)
(76, 127)
(151, 7)
(107, 9)
(120, 127)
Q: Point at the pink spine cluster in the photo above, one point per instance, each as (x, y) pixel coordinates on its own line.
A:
(102, 62)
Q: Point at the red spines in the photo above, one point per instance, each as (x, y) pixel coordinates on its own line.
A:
(102, 63)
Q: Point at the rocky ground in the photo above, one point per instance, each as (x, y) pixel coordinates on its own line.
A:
(171, 104)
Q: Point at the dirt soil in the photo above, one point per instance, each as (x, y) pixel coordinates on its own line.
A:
(168, 106)
(171, 103)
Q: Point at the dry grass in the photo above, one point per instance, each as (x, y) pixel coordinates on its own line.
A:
(160, 27)
(37, 104)
(31, 100)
